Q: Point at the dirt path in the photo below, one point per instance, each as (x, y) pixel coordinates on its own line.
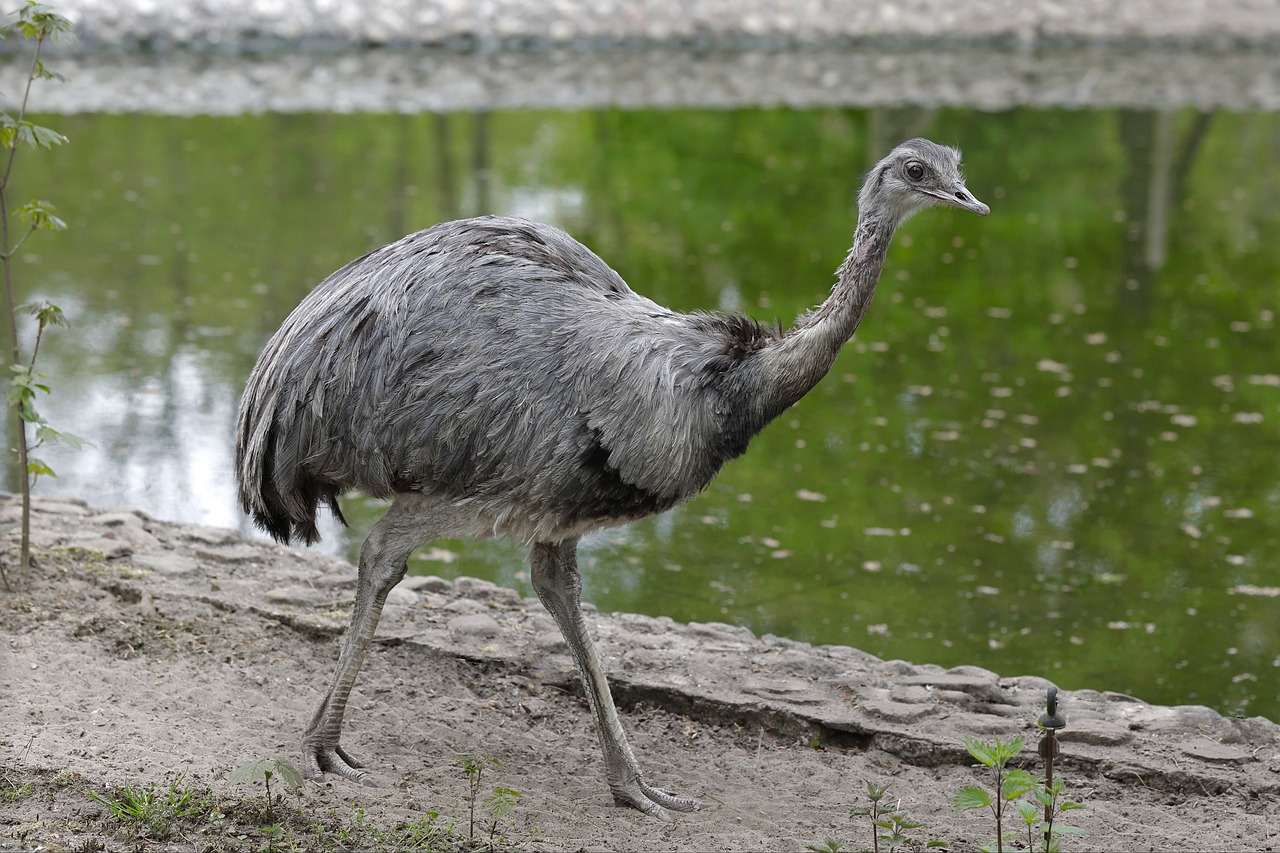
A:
(144, 651)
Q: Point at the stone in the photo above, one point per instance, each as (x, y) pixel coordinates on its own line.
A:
(427, 583)
(474, 625)
(981, 687)
(1216, 753)
(1094, 732)
(910, 693)
(166, 563)
(895, 712)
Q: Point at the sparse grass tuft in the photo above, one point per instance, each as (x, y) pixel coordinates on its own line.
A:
(151, 812)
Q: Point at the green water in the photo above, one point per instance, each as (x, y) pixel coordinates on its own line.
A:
(1050, 450)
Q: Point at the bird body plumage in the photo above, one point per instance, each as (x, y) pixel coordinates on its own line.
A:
(494, 377)
(496, 362)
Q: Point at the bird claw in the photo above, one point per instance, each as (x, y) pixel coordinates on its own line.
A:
(334, 759)
(654, 802)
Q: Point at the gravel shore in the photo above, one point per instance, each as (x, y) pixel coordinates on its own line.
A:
(255, 24)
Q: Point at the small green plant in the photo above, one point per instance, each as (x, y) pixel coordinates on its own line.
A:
(499, 802)
(1043, 830)
(36, 22)
(263, 771)
(1009, 783)
(889, 825)
(151, 811)
(12, 792)
(1039, 813)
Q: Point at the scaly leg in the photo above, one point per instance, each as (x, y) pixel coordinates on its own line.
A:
(383, 563)
(554, 572)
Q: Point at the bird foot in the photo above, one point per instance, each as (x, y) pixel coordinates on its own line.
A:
(654, 802)
(319, 758)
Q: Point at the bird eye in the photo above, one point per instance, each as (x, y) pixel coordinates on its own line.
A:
(915, 171)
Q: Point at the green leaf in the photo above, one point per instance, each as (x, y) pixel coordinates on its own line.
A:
(971, 797)
(501, 801)
(40, 72)
(1028, 812)
(936, 843)
(1065, 829)
(1016, 783)
(254, 771)
(38, 21)
(288, 773)
(37, 468)
(39, 215)
(1005, 751)
(46, 313)
(1043, 797)
(831, 845)
(35, 135)
(75, 442)
(983, 752)
(875, 792)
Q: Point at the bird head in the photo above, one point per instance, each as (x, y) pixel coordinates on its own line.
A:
(915, 175)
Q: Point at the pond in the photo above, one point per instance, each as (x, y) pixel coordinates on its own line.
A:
(1051, 448)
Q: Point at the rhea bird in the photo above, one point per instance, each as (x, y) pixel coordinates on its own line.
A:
(494, 377)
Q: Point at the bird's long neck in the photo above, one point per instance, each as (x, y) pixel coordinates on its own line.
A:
(778, 375)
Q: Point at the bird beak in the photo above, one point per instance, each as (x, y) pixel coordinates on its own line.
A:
(963, 199)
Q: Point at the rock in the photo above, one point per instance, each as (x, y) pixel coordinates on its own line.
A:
(475, 625)
(790, 690)
(482, 590)
(166, 563)
(895, 712)
(426, 583)
(984, 686)
(401, 597)
(1217, 753)
(910, 693)
(304, 596)
(1095, 732)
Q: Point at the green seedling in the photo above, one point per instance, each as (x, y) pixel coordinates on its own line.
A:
(499, 802)
(889, 825)
(264, 770)
(1044, 833)
(1039, 813)
(1009, 783)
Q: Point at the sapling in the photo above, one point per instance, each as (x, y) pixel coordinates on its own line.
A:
(499, 802)
(1043, 834)
(264, 770)
(1009, 783)
(36, 22)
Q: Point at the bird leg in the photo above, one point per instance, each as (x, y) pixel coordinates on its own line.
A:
(383, 563)
(555, 576)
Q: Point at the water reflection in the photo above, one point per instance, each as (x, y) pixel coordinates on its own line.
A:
(1050, 450)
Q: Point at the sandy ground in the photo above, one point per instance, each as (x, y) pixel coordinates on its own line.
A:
(141, 652)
